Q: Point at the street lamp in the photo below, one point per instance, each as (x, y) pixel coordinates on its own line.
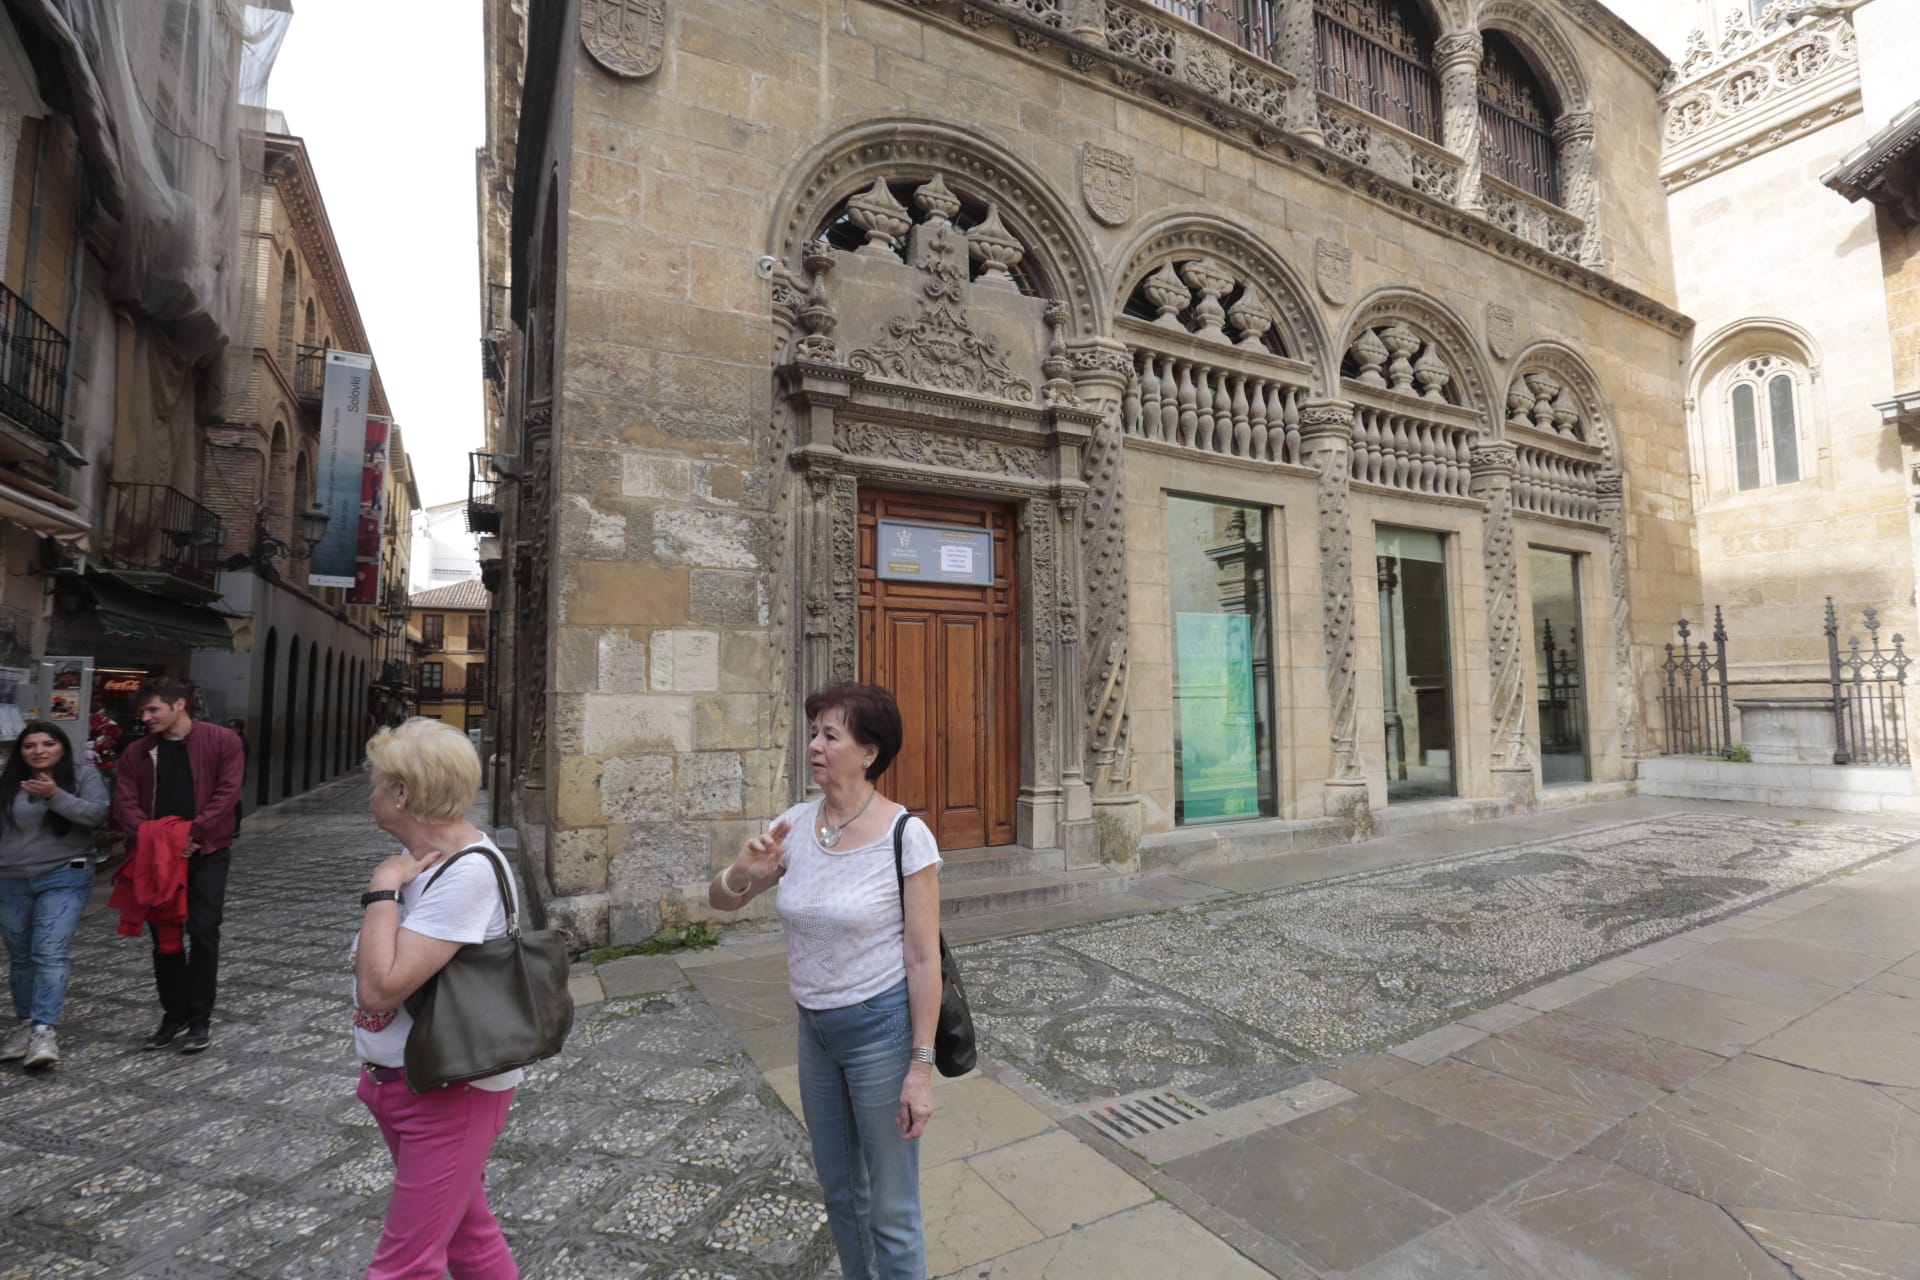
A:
(267, 548)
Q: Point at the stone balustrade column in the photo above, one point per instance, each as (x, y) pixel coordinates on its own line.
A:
(1457, 58)
(1296, 51)
(1579, 183)
(1326, 445)
(1511, 761)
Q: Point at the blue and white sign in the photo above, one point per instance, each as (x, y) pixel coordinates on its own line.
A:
(911, 552)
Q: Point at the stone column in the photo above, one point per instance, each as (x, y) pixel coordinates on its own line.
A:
(1626, 677)
(1101, 369)
(1511, 761)
(1326, 445)
(1457, 58)
(1579, 186)
(1037, 808)
(1087, 20)
(1297, 53)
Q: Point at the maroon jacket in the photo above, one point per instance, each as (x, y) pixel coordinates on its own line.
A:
(219, 773)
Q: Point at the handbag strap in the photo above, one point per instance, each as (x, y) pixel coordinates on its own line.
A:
(899, 874)
(499, 875)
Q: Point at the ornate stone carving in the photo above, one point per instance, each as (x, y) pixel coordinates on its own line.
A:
(535, 527)
(955, 453)
(1626, 677)
(1107, 184)
(1166, 291)
(1325, 441)
(1036, 525)
(626, 37)
(1206, 278)
(817, 316)
(844, 529)
(1333, 271)
(1138, 38)
(1369, 353)
(1103, 367)
(883, 218)
(1500, 335)
(1493, 464)
(1433, 323)
(937, 347)
(1204, 64)
(1251, 318)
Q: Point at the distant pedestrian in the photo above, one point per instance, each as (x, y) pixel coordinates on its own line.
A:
(425, 776)
(863, 964)
(191, 769)
(50, 805)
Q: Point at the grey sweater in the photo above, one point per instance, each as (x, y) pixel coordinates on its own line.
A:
(28, 848)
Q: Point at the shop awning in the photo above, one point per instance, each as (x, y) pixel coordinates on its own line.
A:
(140, 615)
(32, 512)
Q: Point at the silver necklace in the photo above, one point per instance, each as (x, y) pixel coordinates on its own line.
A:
(829, 833)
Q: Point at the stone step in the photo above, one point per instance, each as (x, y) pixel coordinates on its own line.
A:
(1013, 893)
(959, 865)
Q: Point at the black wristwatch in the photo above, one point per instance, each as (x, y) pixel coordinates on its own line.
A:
(372, 896)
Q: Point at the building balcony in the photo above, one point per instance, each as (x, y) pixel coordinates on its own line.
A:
(33, 368)
(160, 539)
(484, 474)
(309, 374)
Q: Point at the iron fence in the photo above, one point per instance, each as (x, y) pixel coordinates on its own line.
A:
(1695, 704)
(1562, 706)
(309, 372)
(1869, 694)
(156, 529)
(33, 367)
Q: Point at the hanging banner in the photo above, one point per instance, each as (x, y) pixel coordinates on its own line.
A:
(372, 516)
(343, 437)
(1219, 758)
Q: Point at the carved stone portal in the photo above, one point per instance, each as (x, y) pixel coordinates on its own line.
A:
(627, 37)
(1333, 271)
(1106, 184)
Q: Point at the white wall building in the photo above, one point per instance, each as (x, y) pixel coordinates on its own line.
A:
(443, 550)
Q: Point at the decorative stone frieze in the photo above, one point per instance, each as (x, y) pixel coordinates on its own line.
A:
(627, 37)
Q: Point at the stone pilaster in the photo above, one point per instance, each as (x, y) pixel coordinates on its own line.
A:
(1457, 58)
(1326, 445)
(1579, 183)
(1626, 678)
(1511, 761)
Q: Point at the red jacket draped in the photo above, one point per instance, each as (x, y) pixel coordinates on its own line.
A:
(152, 886)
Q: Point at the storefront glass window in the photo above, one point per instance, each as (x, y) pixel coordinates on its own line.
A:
(1222, 677)
(1560, 688)
(1416, 662)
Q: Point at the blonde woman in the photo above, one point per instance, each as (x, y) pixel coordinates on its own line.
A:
(425, 774)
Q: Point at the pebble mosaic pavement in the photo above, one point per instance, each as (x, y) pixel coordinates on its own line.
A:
(650, 1148)
(1231, 1001)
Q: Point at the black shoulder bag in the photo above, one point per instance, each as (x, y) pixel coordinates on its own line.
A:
(953, 1053)
(496, 1005)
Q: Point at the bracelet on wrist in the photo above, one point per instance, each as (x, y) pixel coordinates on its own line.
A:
(921, 1053)
(726, 885)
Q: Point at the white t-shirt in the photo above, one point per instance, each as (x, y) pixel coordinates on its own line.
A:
(846, 934)
(464, 906)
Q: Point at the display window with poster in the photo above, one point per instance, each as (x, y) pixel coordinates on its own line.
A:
(116, 712)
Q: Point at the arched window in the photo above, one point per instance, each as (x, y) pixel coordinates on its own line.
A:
(289, 306)
(1516, 121)
(1377, 55)
(1762, 404)
(312, 326)
(279, 495)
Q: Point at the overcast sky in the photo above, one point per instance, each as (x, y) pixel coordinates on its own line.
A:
(392, 107)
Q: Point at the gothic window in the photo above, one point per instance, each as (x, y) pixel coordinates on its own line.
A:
(309, 330)
(1762, 410)
(1377, 55)
(1516, 121)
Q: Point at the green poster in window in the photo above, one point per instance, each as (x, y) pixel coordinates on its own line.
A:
(1219, 757)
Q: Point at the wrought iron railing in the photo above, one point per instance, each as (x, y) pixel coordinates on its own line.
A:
(1247, 23)
(1869, 694)
(33, 368)
(155, 528)
(483, 506)
(1562, 706)
(1366, 74)
(1695, 703)
(309, 372)
(1515, 151)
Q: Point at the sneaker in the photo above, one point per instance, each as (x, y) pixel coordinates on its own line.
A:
(16, 1044)
(198, 1040)
(44, 1050)
(170, 1030)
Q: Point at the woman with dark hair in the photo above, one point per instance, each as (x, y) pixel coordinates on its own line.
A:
(863, 963)
(49, 807)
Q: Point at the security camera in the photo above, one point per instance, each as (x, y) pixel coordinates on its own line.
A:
(764, 267)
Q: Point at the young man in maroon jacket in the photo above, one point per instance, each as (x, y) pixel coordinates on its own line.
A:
(192, 769)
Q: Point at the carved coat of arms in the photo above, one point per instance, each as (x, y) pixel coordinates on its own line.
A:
(626, 37)
(1333, 271)
(1106, 183)
(1499, 330)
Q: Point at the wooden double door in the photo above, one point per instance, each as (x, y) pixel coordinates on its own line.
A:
(950, 654)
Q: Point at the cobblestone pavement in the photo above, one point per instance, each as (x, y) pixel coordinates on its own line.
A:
(1233, 1000)
(651, 1147)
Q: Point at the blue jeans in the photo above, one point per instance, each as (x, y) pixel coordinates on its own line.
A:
(39, 917)
(852, 1064)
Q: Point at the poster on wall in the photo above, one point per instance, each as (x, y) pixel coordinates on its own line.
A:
(341, 467)
(372, 513)
(1219, 757)
(65, 688)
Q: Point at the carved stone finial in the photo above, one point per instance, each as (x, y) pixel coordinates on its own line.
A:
(1252, 318)
(936, 204)
(1402, 342)
(1166, 291)
(995, 249)
(1209, 281)
(1519, 404)
(876, 212)
(1057, 365)
(1544, 389)
(626, 37)
(1369, 353)
(817, 316)
(1431, 372)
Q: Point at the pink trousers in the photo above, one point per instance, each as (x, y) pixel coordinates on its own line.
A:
(438, 1220)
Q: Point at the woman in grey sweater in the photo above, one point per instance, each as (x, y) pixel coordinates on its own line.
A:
(49, 807)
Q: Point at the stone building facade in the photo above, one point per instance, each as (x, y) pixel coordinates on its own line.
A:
(1240, 426)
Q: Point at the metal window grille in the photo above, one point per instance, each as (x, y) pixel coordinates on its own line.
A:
(1247, 23)
(1364, 73)
(33, 367)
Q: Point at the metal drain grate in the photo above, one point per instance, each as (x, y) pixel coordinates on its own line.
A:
(1141, 1114)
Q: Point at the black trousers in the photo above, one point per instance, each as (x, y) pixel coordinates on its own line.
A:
(187, 979)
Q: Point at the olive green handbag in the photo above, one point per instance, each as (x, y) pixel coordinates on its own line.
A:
(496, 1005)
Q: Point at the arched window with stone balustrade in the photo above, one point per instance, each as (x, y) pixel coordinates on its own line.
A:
(1416, 417)
(1377, 55)
(1517, 116)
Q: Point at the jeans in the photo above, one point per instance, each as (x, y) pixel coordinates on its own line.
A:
(852, 1063)
(438, 1221)
(187, 979)
(39, 917)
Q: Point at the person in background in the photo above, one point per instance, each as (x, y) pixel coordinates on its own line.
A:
(49, 808)
(185, 768)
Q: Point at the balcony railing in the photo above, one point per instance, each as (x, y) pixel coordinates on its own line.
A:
(483, 506)
(1247, 23)
(1372, 77)
(33, 368)
(309, 372)
(156, 530)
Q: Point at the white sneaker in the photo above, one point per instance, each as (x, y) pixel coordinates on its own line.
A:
(42, 1049)
(16, 1044)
